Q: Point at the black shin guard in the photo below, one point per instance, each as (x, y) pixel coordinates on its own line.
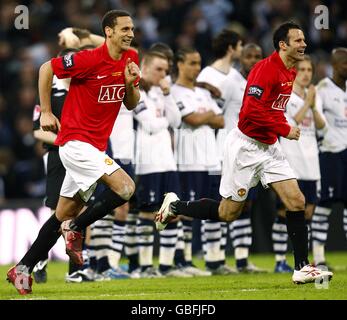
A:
(297, 232)
(204, 209)
(103, 205)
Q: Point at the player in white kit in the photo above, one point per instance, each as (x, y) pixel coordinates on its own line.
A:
(226, 47)
(156, 167)
(197, 152)
(332, 98)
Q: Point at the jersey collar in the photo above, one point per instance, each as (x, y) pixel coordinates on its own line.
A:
(106, 56)
(275, 57)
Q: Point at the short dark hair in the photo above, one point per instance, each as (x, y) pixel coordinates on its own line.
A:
(182, 52)
(223, 40)
(281, 33)
(81, 33)
(110, 18)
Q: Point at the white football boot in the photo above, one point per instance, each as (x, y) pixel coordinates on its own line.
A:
(309, 274)
(164, 215)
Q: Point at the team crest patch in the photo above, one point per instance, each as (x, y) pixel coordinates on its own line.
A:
(68, 61)
(255, 91)
(241, 192)
(108, 161)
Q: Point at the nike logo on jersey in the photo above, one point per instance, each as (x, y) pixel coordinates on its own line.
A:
(100, 77)
(287, 83)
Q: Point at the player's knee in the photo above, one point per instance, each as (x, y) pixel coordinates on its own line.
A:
(228, 214)
(127, 189)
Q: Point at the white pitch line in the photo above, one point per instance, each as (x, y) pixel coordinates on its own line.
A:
(173, 293)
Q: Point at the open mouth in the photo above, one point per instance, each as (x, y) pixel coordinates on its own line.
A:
(126, 42)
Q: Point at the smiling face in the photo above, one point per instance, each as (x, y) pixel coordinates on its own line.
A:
(295, 45)
(121, 35)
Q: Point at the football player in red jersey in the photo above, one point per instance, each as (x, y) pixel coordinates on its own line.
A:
(252, 152)
(101, 79)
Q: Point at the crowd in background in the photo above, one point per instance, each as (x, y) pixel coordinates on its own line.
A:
(178, 23)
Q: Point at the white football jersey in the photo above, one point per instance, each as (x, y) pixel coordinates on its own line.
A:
(196, 149)
(302, 154)
(155, 113)
(333, 101)
(214, 77)
(123, 136)
(211, 75)
(233, 88)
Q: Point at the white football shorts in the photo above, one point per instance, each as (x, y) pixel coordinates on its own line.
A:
(247, 161)
(84, 165)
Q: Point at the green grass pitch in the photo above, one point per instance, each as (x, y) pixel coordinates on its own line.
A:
(234, 287)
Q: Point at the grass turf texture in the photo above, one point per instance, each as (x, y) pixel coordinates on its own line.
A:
(234, 287)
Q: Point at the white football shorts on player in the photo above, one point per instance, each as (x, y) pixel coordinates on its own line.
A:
(247, 161)
(84, 165)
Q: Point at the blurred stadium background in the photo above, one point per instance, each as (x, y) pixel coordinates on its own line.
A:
(175, 22)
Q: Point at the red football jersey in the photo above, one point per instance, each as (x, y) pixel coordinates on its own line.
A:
(95, 95)
(268, 90)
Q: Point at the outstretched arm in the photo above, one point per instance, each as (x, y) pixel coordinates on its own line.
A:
(76, 37)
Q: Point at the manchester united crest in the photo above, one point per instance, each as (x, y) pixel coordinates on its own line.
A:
(108, 161)
(241, 192)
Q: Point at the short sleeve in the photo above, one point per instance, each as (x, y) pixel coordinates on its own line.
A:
(259, 82)
(75, 65)
(184, 107)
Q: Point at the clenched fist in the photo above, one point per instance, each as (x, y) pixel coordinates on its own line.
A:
(294, 133)
(131, 72)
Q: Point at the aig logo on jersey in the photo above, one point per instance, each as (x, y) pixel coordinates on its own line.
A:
(281, 102)
(111, 93)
